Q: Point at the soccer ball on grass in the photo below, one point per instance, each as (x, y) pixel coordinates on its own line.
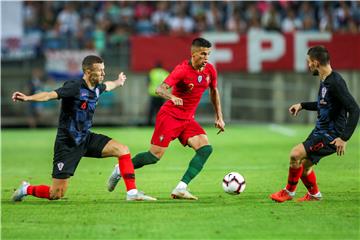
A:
(234, 183)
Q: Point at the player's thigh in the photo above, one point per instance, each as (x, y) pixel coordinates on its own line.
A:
(167, 128)
(318, 147)
(58, 188)
(100, 146)
(194, 135)
(198, 141)
(114, 149)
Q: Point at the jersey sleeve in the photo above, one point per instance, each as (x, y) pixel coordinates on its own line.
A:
(342, 93)
(310, 106)
(174, 77)
(69, 89)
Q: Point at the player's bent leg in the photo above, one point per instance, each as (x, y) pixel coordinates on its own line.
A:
(39, 191)
(309, 179)
(58, 188)
(114, 149)
(150, 157)
(157, 151)
(297, 154)
(203, 150)
(125, 170)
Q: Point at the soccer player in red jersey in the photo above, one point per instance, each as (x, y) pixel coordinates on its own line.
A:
(176, 119)
(338, 114)
(74, 139)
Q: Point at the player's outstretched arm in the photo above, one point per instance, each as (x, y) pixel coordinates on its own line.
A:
(111, 85)
(215, 100)
(163, 91)
(38, 97)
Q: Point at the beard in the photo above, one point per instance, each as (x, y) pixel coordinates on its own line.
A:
(94, 79)
(315, 72)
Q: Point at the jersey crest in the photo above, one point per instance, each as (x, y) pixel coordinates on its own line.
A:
(199, 79)
(323, 92)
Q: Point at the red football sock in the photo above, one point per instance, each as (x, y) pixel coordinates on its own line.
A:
(310, 182)
(41, 191)
(293, 178)
(127, 171)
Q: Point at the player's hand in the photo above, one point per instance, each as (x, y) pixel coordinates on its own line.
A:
(294, 109)
(18, 96)
(340, 146)
(177, 101)
(121, 79)
(220, 124)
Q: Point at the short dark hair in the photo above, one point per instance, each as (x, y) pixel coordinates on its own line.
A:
(319, 53)
(90, 60)
(201, 42)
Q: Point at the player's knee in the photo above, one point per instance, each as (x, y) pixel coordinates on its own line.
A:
(295, 157)
(120, 150)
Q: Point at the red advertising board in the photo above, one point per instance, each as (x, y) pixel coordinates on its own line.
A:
(255, 52)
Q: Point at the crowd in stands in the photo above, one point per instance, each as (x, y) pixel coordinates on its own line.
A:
(90, 24)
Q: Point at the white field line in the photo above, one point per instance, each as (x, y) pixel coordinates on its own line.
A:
(282, 130)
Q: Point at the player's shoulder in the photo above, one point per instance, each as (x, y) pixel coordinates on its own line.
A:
(336, 78)
(210, 66)
(73, 83)
(183, 65)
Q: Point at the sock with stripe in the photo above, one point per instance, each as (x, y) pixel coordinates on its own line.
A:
(127, 171)
(293, 178)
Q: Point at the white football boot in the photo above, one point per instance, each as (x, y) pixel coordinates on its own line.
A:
(182, 193)
(139, 196)
(114, 178)
(21, 192)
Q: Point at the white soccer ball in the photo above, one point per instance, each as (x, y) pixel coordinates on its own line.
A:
(234, 183)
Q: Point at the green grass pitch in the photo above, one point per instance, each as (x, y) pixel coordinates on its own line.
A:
(259, 152)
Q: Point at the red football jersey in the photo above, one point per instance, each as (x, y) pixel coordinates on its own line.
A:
(189, 85)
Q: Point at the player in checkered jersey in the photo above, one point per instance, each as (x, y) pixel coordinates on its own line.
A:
(74, 138)
(338, 114)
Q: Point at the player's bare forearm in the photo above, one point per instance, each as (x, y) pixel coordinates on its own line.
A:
(111, 85)
(38, 97)
(163, 91)
(215, 100)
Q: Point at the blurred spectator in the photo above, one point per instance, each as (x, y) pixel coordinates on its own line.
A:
(181, 24)
(270, 20)
(99, 24)
(235, 23)
(161, 17)
(291, 23)
(68, 22)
